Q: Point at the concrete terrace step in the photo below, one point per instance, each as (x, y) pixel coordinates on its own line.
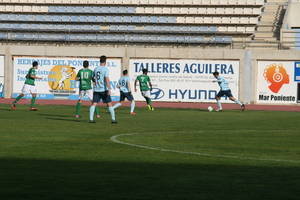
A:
(264, 34)
(265, 31)
(265, 28)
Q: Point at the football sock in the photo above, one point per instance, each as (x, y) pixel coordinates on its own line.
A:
(97, 110)
(33, 101)
(17, 99)
(238, 102)
(112, 113)
(132, 106)
(78, 108)
(148, 100)
(219, 105)
(92, 111)
(117, 105)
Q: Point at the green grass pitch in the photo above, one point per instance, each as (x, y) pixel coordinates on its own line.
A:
(174, 154)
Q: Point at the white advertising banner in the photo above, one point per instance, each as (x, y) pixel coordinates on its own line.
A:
(275, 83)
(186, 80)
(59, 74)
(1, 76)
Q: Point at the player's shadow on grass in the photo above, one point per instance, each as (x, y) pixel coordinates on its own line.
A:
(203, 110)
(5, 109)
(54, 115)
(58, 179)
(63, 119)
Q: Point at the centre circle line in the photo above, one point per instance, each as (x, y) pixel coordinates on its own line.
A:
(118, 141)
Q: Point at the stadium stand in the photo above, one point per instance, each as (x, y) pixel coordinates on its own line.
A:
(130, 21)
(290, 31)
(233, 23)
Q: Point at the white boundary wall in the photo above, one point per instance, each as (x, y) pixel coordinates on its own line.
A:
(248, 60)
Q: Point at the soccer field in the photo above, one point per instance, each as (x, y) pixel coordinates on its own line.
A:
(171, 154)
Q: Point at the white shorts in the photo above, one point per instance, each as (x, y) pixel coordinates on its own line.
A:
(146, 94)
(86, 93)
(29, 89)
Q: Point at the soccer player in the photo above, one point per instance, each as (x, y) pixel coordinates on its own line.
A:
(102, 90)
(125, 92)
(85, 76)
(145, 87)
(29, 87)
(225, 91)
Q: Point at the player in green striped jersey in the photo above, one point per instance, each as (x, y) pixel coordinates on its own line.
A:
(29, 87)
(85, 78)
(145, 87)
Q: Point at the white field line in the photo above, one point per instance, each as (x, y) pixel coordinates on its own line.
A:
(116, 140)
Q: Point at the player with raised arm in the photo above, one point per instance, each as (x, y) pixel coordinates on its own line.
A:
(225, 91)
(125, 92)
(102, 90)
(145, 87)
(29, 87)
(85, 76)
(64, 76)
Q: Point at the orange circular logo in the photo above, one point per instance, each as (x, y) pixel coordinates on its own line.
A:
(61, 77)
(276, 76)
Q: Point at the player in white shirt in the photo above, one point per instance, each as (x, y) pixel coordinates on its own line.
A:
(125, 92)
(102, 90)
(225, 91)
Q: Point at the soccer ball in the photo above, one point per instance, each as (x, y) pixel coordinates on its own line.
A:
(210, 109)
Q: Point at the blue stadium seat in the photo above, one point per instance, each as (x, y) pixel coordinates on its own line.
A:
(127, 19)
(92, 18)
(144, 19)
(198, 39)
(154, 19)
(3, 36)
(114, 27)
(131, 10)
(74, 18)
(4, 17)
(135, 19)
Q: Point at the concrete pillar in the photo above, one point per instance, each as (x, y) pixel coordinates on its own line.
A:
(8, 73)
(247, 78)
(125, 60)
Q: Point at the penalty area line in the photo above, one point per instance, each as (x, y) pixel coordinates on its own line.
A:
(203, 154)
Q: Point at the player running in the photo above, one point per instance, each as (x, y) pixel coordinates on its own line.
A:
(85, 76)
(125, 92)
(29, 87)
(145, 87)
(225, 91)
(102, 90)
